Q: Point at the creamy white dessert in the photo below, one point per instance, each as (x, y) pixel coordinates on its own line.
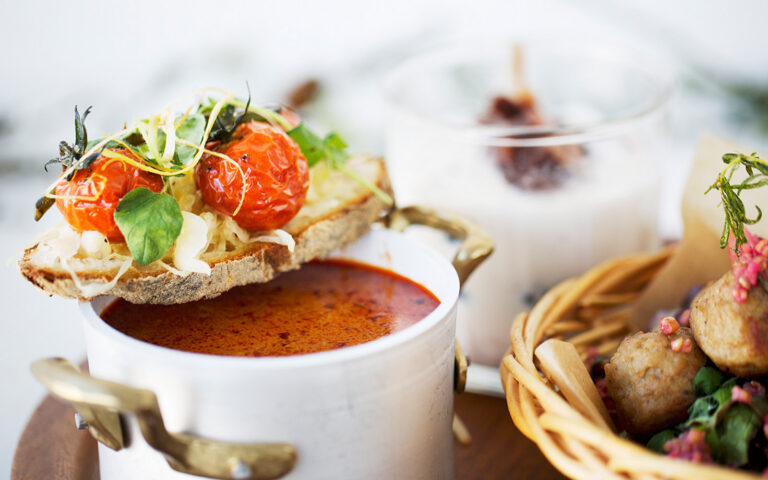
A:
(606, 206)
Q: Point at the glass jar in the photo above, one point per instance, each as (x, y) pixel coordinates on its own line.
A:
(601, 112)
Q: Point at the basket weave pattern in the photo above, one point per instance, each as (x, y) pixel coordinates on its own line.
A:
(589, 311)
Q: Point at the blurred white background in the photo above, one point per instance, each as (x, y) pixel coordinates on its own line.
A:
(129, 58)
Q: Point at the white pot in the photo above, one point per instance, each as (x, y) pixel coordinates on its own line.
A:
(380, 410)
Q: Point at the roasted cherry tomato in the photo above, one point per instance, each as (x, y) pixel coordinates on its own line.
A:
(276, 177)
(92, 195)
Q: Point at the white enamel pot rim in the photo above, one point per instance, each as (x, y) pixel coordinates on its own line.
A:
(448, 300)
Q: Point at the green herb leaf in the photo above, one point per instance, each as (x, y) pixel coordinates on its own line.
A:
(735, 213)
(707, 380)
(150, 222)
(69, 154)
(656, 443)
(730, 440)
(706, 410)
(191, 130)
(330, 149)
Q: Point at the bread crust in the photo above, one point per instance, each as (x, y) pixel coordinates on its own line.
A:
(258, 262)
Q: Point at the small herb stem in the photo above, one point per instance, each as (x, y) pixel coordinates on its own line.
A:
(265, 113)
(381, 194)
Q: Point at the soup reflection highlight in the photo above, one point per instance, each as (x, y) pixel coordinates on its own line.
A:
(322, 306)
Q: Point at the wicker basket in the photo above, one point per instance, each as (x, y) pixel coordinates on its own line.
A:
(589, 311)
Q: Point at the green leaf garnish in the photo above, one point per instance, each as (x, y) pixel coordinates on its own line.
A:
(656, 443)
(735, 213)
(729, 426)
(332, 150)
(706, 410)
(150, 223)
(191, 130)
(730, 440)
(708, 380)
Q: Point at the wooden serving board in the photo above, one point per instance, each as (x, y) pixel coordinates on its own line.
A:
(52, 449)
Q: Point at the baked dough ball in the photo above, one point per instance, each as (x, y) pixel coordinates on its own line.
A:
(734, 335)
(651, 384)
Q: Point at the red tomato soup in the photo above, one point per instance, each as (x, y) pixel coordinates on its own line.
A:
(322, 306)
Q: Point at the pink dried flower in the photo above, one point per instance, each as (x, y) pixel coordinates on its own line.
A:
(754, 388)
(761, 262)
(752, 271)
(681, 345)
(602, 389)
(739, 295)
(739, 268)
(749, 265)
(592, 355)
(762, 247)
(690, 445)
(744, 282)
(668, 325)
(685, 318)
(752, 239)
(740, 395)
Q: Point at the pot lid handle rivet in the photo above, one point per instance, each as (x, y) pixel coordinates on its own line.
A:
(80, 422)
(241, 471)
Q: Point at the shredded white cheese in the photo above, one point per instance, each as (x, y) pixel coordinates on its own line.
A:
(96, 288)
(191, 242)
(94, 244)
(66, 247)
(65, 243)
(277, 236)
(206, 233)
(224, 235)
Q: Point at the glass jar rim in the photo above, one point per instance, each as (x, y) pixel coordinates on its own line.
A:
(652, 64)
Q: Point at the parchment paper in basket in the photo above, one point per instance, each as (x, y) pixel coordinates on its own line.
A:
(699, 258)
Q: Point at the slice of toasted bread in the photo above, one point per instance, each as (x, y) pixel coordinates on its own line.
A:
(331, 219)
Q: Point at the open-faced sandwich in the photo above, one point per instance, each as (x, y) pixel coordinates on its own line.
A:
(184, 205)
(695, 388)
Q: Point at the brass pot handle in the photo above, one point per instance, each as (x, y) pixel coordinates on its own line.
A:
(100, 403)
(476, 246)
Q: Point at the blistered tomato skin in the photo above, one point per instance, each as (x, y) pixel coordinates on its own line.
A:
(276, 177)
(91, 197)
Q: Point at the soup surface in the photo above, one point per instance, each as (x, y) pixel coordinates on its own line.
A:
(322, 306)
